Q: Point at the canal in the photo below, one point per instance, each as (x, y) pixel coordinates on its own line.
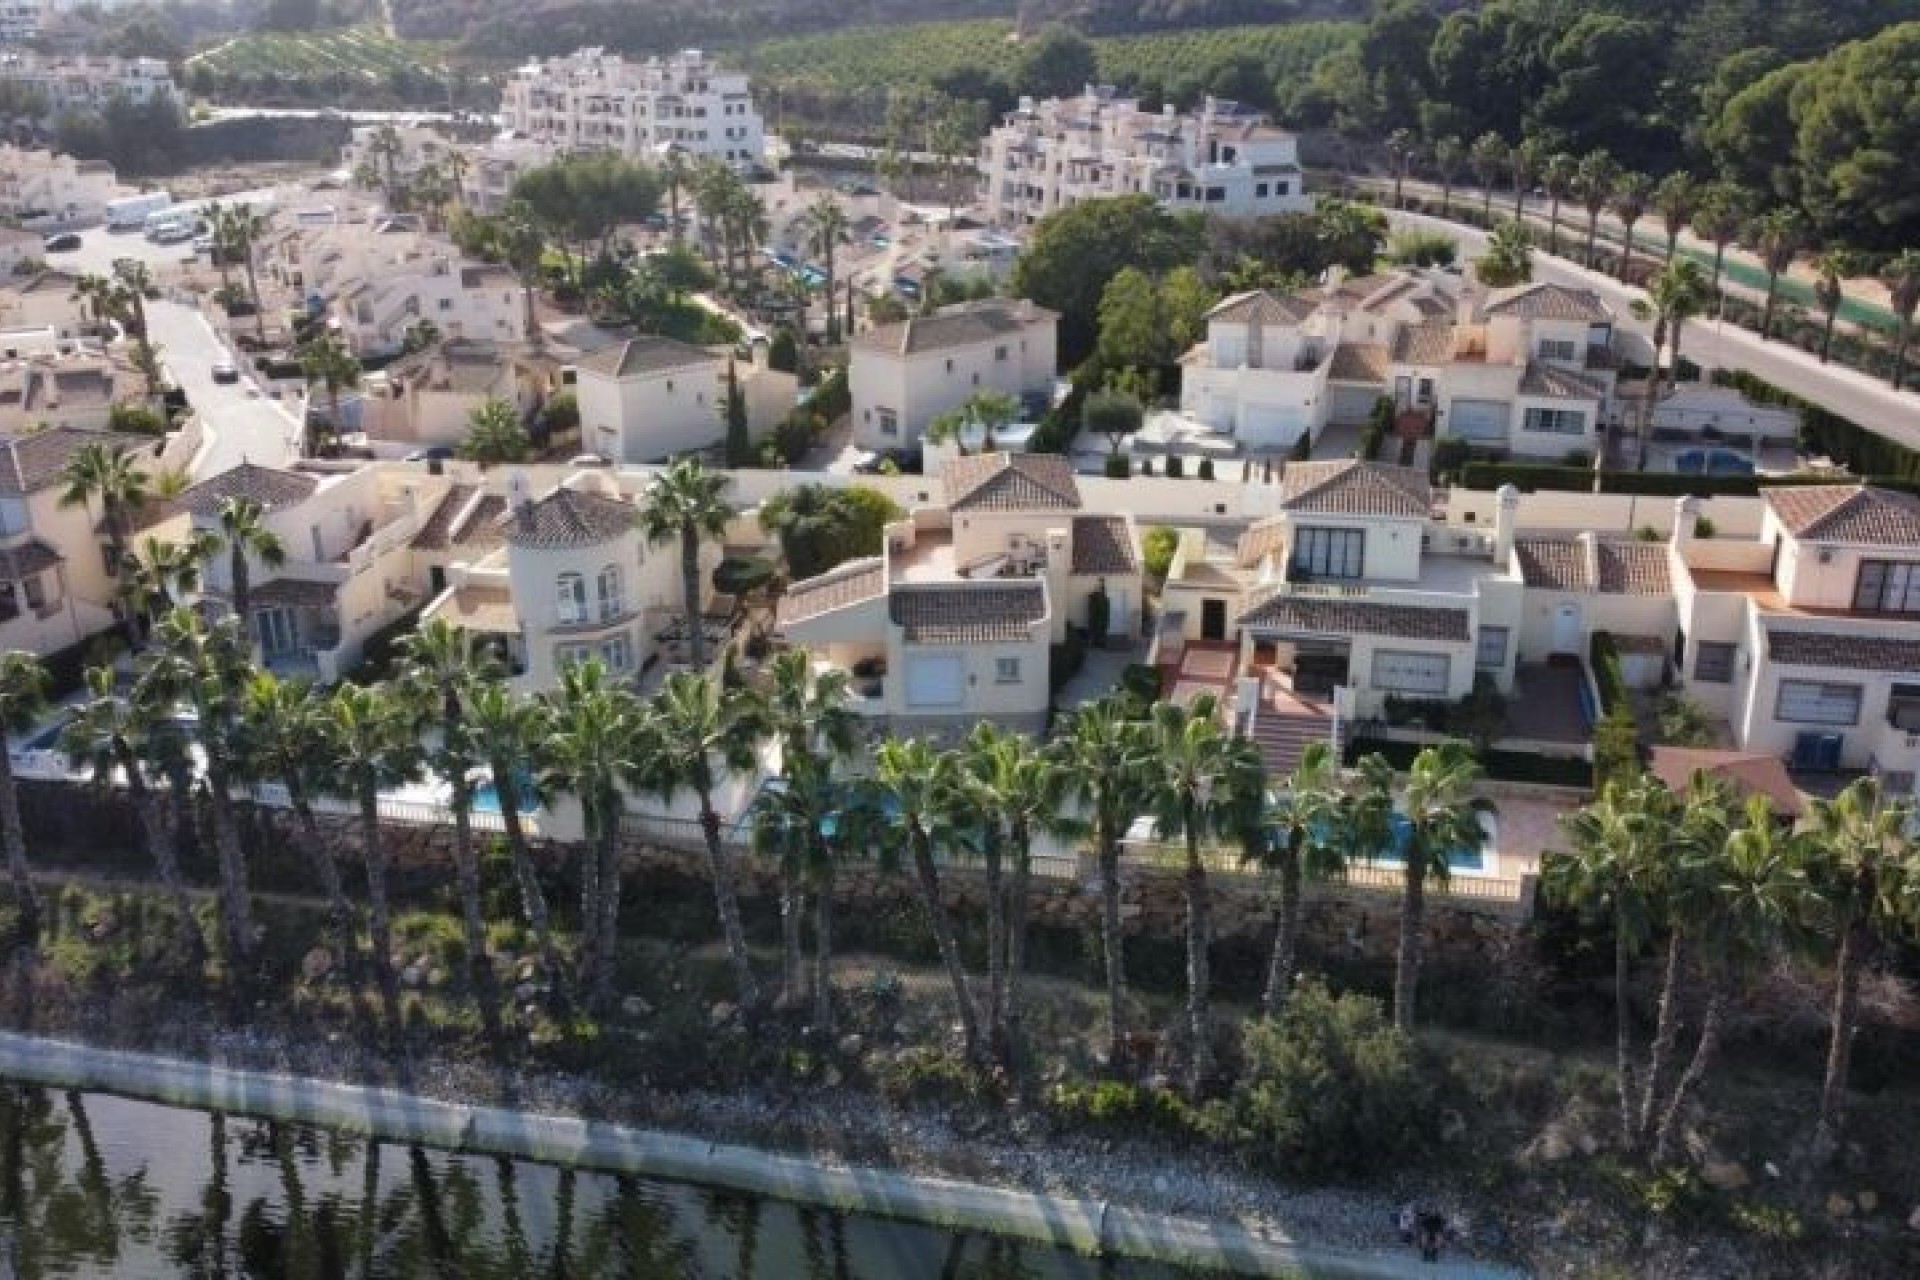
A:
(92, 1184)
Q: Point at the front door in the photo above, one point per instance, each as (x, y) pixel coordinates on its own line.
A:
(1213, 619)
(275, 628)
(1566, 629)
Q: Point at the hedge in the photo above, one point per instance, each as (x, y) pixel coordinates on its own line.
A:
(1604, 656)
(1502, 766)
(1534, 477)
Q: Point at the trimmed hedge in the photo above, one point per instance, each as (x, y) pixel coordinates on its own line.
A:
(1604, 656)
(1501, 766)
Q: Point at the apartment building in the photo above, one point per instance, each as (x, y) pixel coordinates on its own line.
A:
(22, 20)
(594, 100)
(1223, 159)
(649, 398)
(44, 190)
(77, 84)
(902, 375)
(954, 620)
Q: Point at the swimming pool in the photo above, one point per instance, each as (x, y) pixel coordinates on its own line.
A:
(1713, 462)
(1472, 860)
(487, 800)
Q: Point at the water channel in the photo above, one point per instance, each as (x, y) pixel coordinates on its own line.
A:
(92, 1184)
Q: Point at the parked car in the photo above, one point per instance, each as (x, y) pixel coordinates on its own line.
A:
(432, 453)
(65, 242)
(224, 371)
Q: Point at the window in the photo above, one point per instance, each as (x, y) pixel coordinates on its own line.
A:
(1887, 586)
(949, 366)
(889, 423)
(36, 594)
(1006, 671)
(1556, 349)
(612, 599)
(1330, 553)
(1215, 195)
(1713, 664)
(1817, 702)
(573, 599)
(1260, 190)
(567, 655)
(1492, 650)
(999, 353)
(617, 652)
(1559, 422)
(446, 304)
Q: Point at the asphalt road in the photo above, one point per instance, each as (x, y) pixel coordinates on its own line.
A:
(1866, 400)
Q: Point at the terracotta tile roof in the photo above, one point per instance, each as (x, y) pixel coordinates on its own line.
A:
(32, 462)
(268, 486)
(294, 591)
(1260, 306)
(1558, 384)
(1543, 301)
(1350, 487)
(567, 518)
(433, 532)
(1847, 513)
(850, 583)
(1430, 343)
(1333, 616)
(933, 613)
(1751, 774)
(1261, 539)
(1103, 544)
(446, 528)
(1010, 482)
(1359, 362)
(1591, 566)
(650, 354)
(964, 325)
(27, 559)
(1840, 651)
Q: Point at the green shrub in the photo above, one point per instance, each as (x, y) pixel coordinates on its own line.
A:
(1065, 661)
(1206, 469)
(931, 1076)
(1330, 1088)
(1176, 467)
(1118, 466)
(1450, 453)
(1604, 656)
(1117, 1109)
(1099, 614)
(1158, 546)
(1616, 746)
(1703, 527)
(1502, 766)
(1140, 683)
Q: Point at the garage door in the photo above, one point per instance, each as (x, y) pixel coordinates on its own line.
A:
(1350, 404)
(1271, 424)
(1426, 674)
(935, 680)
(1478, 419)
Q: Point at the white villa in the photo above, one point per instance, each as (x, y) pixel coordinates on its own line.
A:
(594, 100)
(902, 375)
(46, 189)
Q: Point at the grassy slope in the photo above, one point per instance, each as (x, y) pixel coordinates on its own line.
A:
(352, 51)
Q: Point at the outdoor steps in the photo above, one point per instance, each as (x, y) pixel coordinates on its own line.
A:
(1283, 736)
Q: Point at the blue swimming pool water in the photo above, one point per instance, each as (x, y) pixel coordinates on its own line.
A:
(487, 800)
(1463, 859)
(1716, 462)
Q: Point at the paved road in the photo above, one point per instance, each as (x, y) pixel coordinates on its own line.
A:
(1851, 394)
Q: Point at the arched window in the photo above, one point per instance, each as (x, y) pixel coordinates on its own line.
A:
(573, 599)
(612, 597)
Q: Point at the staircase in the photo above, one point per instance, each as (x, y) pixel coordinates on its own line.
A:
(1284, 735)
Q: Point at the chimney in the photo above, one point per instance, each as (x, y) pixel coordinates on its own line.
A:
(1506, 515)
(520, 496)
(1686, 518)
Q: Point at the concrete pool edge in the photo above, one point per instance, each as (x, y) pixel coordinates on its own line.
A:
(1086, 1226)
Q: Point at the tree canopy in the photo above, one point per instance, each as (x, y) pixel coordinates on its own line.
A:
(1075, 252)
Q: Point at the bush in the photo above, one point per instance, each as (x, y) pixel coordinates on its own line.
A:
(1374, 435)
(1423, 249)
(1703, 527)
(1330, 1088)
(1146, 466)
(1684, 722)
(1206, 469)
(1302, 448)
(1604, 656)
(1176, 467)
(1450, 454)
(1140, 683)
(1502, 766)
(783, 353)
(1118, 466)
(1115, 1109)
(1065, 661)
(1099, 615)
(1157, 547)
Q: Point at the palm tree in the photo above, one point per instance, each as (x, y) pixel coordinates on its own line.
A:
(495, 434)
(808, 715)
(686, 502)
(977, 777)
(109, 474)
(1595, 180)
(387, 147)
(1449, 157)
(1560, 176)
(1865, 871)
(595, 738)
(920, 782)
(155, 575)
(443, 664)
(1509, 257)
(1196, 776)
(1488, 158)
(1028, 788)
(236, 231)
(1443, 816)
(1836, 264)
(1294, 837)
(1901, 276)
(1718, 214)
(829, 221)
(246, 536)
(23, 699)
(1631, 194)
(1525, 162)
(523, 245)
(1675, 296)
(326, 362)
(1099, 754)
(1776, 236)
(707, 731)
(1673, 200)
(673, 164)
(1614, 869)
(375, 747)
(1402, 146)
(509, 732)
(110, 734)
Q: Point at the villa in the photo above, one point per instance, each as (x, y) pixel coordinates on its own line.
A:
(903, 375)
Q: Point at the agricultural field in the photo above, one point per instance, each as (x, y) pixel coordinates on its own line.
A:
(351, 53)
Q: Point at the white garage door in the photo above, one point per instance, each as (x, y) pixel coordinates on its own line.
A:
(1396, 671)
(935, 680)
(1272, 424)
(1478, 419)
(1350, 404)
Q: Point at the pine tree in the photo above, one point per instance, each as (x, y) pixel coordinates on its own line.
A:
(734, 407)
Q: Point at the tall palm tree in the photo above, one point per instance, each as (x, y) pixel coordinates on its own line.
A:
(327, 363)
(1631, 194)
(1296, 836)
(237, 230)
(155, 575)
(673, 165)
(387, 147)
(1719, 212)
(1776, 236)
(1836, 265)
(1509, 257)
(706, 732)
(807, 714)
(1449, 158)
(1614, 869)
(1029, 793)
(443, 664)
(245, 535)
(1402, 146)
(23, 700)
(1675, 296)
(510, 731)
(1673, 200)
(687, 502)
(106, 473)
(830, 225)
(1488, 157)
(1443, 816)
(1865, 871)
(109, 733)
(135, 282)
(1560, 176)
(1901, 276)
(1197, 777)
(596, 742)
(920, 782)
(375, 747)
(1595, 180)
(523, 245)
(1525, 163)
(1100, 754)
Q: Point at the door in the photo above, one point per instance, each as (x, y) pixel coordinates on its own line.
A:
(1566, 629)
(275, 629)
(1479, 419)
(935, 680)
(1213, 619)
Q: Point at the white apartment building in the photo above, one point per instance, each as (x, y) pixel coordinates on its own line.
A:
(1222, 159)
(21, 20)
(82, 84)
(45, 189)
(904, 374)
(594, 100)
